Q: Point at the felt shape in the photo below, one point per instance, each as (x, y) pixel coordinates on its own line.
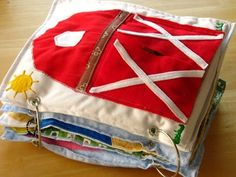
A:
(21, 84)
(157, 47)
(68, 38)
(68, 145)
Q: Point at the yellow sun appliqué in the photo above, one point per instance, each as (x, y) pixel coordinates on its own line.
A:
(21, 84)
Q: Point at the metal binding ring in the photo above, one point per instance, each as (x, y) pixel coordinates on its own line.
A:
(31, 121)
(35, 103)
(153, 132)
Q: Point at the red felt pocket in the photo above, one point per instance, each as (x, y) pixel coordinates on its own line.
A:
(152, 55)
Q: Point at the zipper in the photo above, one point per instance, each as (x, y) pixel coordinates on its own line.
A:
(98, 49)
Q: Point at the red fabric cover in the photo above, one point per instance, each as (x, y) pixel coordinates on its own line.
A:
(66, 65)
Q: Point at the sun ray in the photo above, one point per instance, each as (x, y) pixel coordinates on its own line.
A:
(32, 90)
(25, 95)
(21, 84)
(8, 89)
(15, 94)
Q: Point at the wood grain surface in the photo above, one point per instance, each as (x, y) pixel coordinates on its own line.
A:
(20, 18)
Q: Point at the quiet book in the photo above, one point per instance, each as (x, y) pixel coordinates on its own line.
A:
(117, 84)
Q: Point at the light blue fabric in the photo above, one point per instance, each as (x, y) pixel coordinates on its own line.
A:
(10, 135)
(101, 157)
(114, 159)
(166, 151)
(109, 158)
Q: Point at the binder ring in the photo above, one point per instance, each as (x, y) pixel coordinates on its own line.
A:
(31, 121)
(154, 132)
(35, 102)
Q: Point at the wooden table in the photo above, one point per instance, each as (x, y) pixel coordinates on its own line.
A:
(20, 18)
